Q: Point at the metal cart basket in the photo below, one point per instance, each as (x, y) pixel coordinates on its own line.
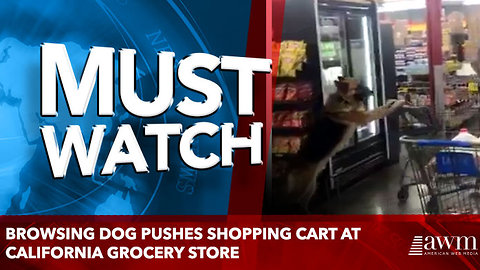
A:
(442, 125)
(446, 174)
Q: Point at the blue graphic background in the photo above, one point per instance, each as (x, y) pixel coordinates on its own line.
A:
(26, 185)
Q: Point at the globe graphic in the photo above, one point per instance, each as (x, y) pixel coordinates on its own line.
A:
(26, 183)
(21, 172)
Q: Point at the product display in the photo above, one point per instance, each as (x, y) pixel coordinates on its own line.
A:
(293, 104)
(293, 92)
(286, 145)
(292, 56)
(411, 54)
(292, 119)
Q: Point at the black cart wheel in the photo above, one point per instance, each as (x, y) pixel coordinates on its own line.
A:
(403, 194)
(432, 206)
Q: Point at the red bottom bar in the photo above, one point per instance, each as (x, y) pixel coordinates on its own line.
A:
(239, 242)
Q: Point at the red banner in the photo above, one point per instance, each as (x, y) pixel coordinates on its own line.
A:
(240, 242)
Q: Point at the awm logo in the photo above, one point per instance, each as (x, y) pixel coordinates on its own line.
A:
(443, 245)
(416, 249)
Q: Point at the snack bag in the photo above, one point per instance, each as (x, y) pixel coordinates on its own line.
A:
(300, 119)
(279, 118)
(295, 144)
(291, 94)
(304, 91)
(283, 146)
(280, 92)
(288, 119)
(292, 56)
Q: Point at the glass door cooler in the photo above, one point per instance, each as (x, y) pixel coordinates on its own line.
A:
(348, 46)
(340, 38)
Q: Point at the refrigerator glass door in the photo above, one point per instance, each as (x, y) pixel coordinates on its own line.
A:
(360, 42)
(332, 44)
(333, 54)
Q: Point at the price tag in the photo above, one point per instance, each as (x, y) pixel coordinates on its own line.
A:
(473, 87)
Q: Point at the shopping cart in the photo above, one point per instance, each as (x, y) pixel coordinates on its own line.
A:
(428, 126)
(446, 174)
(415, 121)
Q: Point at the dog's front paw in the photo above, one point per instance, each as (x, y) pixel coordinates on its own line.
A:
(391, 102)
(393, 105)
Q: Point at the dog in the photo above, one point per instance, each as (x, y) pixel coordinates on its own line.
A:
(343, 113)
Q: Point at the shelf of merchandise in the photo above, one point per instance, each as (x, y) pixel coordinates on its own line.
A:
(290, 106)
(299, 105)
(456, 113)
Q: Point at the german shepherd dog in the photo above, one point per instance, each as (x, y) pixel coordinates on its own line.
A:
(344, 111)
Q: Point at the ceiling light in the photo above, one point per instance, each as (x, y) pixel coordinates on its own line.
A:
(471, 2)
(401, 6)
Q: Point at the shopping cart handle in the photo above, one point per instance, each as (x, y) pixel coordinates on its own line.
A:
(445, 143)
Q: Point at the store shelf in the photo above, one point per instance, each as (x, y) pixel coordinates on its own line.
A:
(413, 89)
(293, 102)
(326, 64)
(285, 156)
(283, 131)
(330, 39)
(463, 104)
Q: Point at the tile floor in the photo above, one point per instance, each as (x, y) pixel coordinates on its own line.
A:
(375, 195)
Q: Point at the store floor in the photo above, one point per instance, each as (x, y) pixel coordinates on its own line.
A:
(375, 195)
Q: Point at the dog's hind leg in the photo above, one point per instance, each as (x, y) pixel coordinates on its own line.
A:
(302, 183)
